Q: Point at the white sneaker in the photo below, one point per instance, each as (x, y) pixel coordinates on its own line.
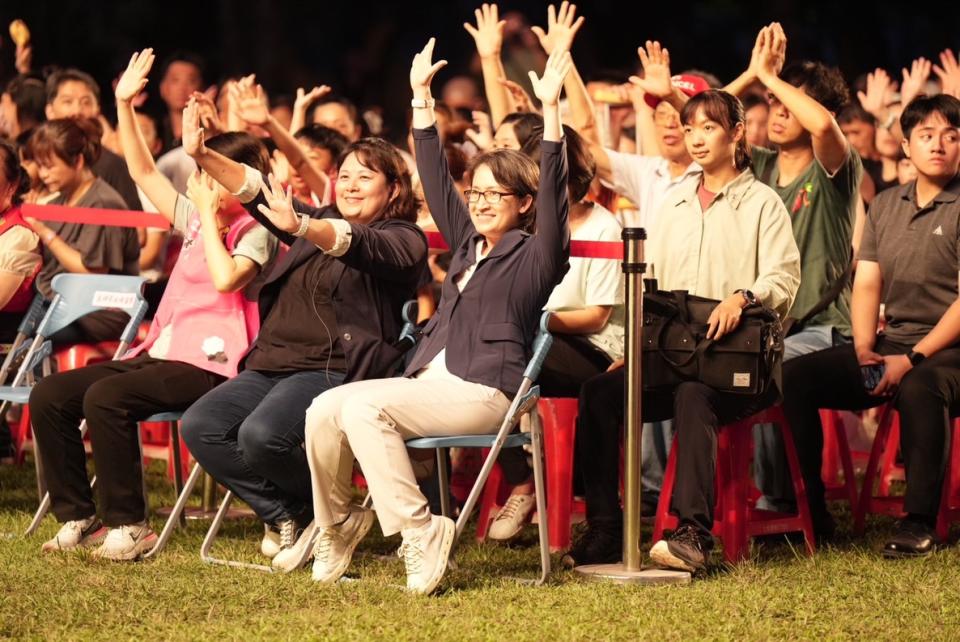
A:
(334, 546)
(270, 544)
(510, 519)
(425, 552)
(77, 533)
(126, 543)
(293, 555)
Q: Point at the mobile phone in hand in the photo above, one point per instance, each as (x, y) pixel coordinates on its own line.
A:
(872, 374)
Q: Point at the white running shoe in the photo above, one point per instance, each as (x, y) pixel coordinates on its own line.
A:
(510, 519)
(77, 533)
(293, 555)
(425, 552)
(334, 545)
(127, 543)
(270, 544)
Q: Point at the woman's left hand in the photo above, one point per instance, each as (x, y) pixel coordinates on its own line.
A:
(547, 88)
(279, 208)
(203, 193)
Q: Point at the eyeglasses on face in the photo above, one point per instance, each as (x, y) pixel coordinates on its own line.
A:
(491, 196)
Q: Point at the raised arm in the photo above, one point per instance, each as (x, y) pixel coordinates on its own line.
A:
(657, 80)
(446, 204)
(488, 36)
(143, 170)
(302, 104)
(227, 172)
(228, 273)
(830, 146)
(252, 107)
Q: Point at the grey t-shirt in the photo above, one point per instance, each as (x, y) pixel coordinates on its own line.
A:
(114, 248)
(257, 244)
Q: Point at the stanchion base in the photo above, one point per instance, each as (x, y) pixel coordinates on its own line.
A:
(200, 514)
(619, 574)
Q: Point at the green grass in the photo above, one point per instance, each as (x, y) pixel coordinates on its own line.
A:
(843, 592)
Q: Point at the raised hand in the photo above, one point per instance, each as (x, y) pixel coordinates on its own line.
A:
(875, 99)
(423, 69)
(250, 101)
(948, 71)
(488, 34)
(482, 136)
(203, 193)
(547, 88)
(279, 206)
(769, 52)
(192, 132)
(562, 28)
(280, 166)
(520, 96)
(914, 79)
(134, 78)
(656, 70)
(209, 117)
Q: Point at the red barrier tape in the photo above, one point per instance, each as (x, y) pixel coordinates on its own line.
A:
(127, 218)
(582, 249)
(94, 216)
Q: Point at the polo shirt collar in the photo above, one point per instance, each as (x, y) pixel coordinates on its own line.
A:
(949, 194)
(663, 170)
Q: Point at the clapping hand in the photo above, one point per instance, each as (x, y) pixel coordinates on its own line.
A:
(134, 78)
(769, 52)
(547, 88)
(279, 207)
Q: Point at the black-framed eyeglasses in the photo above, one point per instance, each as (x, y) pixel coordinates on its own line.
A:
(489, 195)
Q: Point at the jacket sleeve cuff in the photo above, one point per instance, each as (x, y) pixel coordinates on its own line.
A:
(252, 184)
(344, 233)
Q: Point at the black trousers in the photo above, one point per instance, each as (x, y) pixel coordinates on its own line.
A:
(571, 361)
(113, 396)
(926, 399)
(698, 411)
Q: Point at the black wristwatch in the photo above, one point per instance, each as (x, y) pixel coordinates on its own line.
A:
(749, 297)
(916, 358)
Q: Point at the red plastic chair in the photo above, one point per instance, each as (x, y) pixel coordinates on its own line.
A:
(559, 417)
(735, 518)
(837, 458)
(882, 469)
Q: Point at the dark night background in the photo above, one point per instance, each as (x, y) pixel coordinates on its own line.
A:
(363, 48)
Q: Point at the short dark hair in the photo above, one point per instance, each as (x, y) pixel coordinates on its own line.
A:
(12, 172)
(61, 76)
(515, 171)
(242, 148)
(922, 107)
(822, 83)
(753, 100)
(526, 126)
(29, 96)
(853, 112)
(726, 110)
(582, 167)
(182, 55)
(68, 139)
(340, 100)
(380, 156)
(324, 138)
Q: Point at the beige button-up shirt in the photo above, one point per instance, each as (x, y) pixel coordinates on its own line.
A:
(744, 240)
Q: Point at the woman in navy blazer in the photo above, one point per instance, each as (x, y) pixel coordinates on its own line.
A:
(471, 359)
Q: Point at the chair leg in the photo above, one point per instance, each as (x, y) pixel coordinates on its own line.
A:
(799, 490)
(543, 525)
(666, 494)
(177, 513)
(178, 468)
(846, 460)
(866, 492)
(212, 535)
(444, 477)
(559, 430)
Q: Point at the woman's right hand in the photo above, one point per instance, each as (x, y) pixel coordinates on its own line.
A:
(488, 34)
(423, 69)
(202, 192)
(192, 133)
(279, 207)
(134, 78)
(547, 88)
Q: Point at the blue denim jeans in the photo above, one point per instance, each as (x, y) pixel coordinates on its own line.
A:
(249, 433)
(770, 468)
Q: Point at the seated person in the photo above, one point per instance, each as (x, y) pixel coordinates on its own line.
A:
(202, 328)
(19, 245)
(908, 260)
(721, 235)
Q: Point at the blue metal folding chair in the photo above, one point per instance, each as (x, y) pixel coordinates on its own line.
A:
(77, 295)
(525, 400)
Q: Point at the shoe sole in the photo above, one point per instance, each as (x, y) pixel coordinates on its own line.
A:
(139, 550)
(898, 555)
(94, 539)
(661, 555)
(449, 532)
(365, 526)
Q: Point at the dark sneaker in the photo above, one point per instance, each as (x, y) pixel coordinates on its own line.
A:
(685, 549)
(913, 538)
(595, 546)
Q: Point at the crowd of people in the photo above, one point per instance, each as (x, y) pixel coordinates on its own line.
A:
(297, 235)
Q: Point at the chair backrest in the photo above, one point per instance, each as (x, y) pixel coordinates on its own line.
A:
(28, 325)
(541, 346)
(77, 295)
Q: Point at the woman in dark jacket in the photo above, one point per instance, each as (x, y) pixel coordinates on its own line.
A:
(474, 349)
(330, 311)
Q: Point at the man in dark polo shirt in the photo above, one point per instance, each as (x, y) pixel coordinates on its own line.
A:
(909, 259)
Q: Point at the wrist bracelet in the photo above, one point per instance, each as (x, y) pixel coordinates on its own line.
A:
(423, 103)
(304, 226)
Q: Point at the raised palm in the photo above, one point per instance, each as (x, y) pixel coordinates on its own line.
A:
(423, 69)
(547, 87)
(251, 102)
(914, 79)
(192, 132)
(656, 70)
(279, 206)
(134, 77)
(562, 28)
(488, 34)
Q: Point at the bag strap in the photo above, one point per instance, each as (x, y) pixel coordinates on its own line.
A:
(829, 296)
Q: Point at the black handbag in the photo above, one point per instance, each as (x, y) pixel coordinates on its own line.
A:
(675, 347)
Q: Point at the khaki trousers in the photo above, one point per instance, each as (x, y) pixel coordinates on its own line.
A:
(369, 421)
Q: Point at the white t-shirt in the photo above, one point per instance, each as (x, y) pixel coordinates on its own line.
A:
(645, 180)
(595, 282)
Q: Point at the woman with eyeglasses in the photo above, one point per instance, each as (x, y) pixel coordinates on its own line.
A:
(471, 359)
